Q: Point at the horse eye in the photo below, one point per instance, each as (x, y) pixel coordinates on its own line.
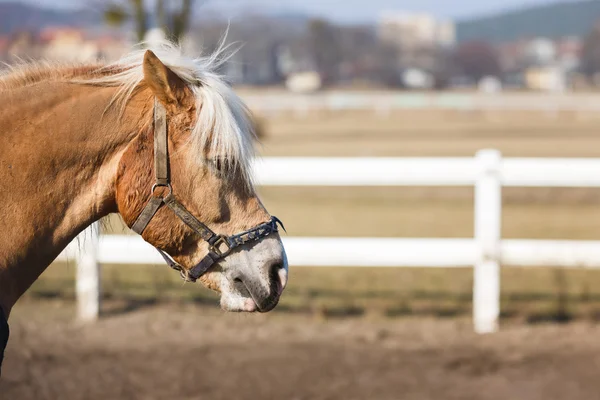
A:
(220, 164)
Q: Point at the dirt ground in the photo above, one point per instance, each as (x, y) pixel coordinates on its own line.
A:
(192, 352)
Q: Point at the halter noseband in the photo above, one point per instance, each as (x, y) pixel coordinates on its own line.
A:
(219, 245)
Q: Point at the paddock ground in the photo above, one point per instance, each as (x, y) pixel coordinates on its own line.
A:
(195, 352)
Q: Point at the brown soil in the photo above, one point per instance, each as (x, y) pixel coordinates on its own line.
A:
(191, 352)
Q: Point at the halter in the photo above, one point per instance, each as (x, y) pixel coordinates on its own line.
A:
(219, 245)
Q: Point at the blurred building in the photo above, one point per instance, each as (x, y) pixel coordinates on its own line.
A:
(416, 40)
(411, 31)
(568, 51)
(64, 44)
(540, 52)
(304, 82)
(68, 44)
(511, 55)
(547, 79)
(20, 46)
(541, 63)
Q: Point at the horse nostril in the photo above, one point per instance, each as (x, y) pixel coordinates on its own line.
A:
(278, 277)
(274, 272)
(239, 285)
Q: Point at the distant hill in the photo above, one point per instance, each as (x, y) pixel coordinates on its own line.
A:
(18, 17)
(565, 18)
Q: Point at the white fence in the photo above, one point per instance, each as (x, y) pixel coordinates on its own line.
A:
(488, 172)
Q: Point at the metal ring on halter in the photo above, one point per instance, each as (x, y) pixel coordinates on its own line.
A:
(157, 185)
(217, 246)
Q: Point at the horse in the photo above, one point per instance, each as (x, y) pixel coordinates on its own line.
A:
(158, 137)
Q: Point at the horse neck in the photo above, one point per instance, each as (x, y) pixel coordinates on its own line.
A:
(59, 152)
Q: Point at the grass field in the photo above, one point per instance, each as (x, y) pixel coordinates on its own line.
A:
(410, 212)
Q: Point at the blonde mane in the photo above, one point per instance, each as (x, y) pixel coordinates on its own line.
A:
(223, 125)
(24, 74)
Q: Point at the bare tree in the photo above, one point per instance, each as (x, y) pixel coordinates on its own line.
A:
(387, 69)
(444, 67)
(324, 47)
(477, 59)
(172, 16)
(590, 54)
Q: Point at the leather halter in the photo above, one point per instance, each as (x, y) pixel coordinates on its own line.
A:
(219, 245)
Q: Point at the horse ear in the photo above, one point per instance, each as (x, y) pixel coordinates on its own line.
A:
(159, 78)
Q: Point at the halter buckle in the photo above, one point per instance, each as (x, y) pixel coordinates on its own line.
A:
(217, 245)
(157, 185)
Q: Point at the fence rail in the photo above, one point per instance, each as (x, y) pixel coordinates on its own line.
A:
(487, 172)
(378, 252)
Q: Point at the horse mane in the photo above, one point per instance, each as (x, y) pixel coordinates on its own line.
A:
(24, 73)
(223, 126)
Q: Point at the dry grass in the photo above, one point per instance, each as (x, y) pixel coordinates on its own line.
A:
(410, 212)
(418, 133)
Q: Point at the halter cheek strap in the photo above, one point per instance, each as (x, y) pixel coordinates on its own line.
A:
(219, 245)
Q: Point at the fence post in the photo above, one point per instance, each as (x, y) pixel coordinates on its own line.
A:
(88, 275)
(488, 214)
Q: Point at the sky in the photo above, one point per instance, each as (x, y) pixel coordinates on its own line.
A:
(349, 10)
(360, 10)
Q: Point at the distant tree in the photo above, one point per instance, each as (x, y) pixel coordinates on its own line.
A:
(387, 69)
(173, 18)
(324, 47)
(355, 43)
(444, 67)
(477, 59)
(590, 53)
